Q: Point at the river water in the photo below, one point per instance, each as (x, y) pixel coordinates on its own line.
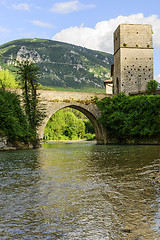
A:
(80, 191)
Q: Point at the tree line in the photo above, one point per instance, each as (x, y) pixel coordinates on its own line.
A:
(127, 117)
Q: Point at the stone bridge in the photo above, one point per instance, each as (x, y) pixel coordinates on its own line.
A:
(84, 102)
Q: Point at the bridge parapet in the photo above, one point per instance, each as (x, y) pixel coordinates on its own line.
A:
(76, 96)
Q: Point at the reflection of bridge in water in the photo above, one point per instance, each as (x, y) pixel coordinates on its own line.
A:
(84, 102)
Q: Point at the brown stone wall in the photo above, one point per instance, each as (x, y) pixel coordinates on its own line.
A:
(136, 36)
(133, 58)
(136, 69)
(62, 95)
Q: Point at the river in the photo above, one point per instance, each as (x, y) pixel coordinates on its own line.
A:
(80, 191)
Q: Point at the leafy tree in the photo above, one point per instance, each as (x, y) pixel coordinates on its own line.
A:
(55, 127)
(7, 79)
(14, 124)
(131, 116)
(152, 86)
(28, 75)
(66, 124)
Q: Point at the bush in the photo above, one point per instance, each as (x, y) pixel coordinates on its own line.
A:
(90, 136)
(152, 86)
(14, 124)
(131, 116)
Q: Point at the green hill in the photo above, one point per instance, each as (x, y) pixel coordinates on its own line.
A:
(63, 66)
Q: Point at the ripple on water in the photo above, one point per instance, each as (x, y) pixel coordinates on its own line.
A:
(80, 191)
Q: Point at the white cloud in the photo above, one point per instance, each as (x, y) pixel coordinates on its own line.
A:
(157, 78)
(42, 24)
(101, 36)
(2, 29)
(21, 6)
(70, 6)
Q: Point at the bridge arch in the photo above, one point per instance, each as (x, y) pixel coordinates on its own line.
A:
(90, 111)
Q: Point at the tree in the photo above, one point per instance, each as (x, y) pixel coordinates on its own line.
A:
(64, 125)
(152, 86)
(130, 116)
(7, 79)
(28, 75)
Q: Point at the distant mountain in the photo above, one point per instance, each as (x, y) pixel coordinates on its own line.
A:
(63, 65)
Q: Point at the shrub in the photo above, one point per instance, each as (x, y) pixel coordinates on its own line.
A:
(131, 116)
(14, 124)
(152, 86)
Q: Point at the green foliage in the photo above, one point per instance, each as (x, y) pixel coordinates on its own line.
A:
(90, 136)
(28, 75)
(68, 124)
(14, 124)
(7, 79)
(152, 86)
(131, 116)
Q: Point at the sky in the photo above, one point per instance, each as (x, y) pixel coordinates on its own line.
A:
(87, 23)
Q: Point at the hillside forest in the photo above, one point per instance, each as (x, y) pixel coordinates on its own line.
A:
(64, 67)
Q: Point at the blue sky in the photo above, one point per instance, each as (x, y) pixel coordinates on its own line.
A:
(89, 23)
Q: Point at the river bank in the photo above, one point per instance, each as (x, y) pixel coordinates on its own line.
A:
(6, 145)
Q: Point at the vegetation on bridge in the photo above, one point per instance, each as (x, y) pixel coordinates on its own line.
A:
(128, 117)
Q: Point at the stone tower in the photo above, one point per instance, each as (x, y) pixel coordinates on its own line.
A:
(133, 58)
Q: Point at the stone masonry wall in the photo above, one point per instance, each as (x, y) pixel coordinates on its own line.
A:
(133, 57)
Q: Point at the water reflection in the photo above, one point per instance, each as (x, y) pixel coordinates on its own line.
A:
(80, 191)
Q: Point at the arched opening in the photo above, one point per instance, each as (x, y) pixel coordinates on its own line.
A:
(91, 112)
(69, 124)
